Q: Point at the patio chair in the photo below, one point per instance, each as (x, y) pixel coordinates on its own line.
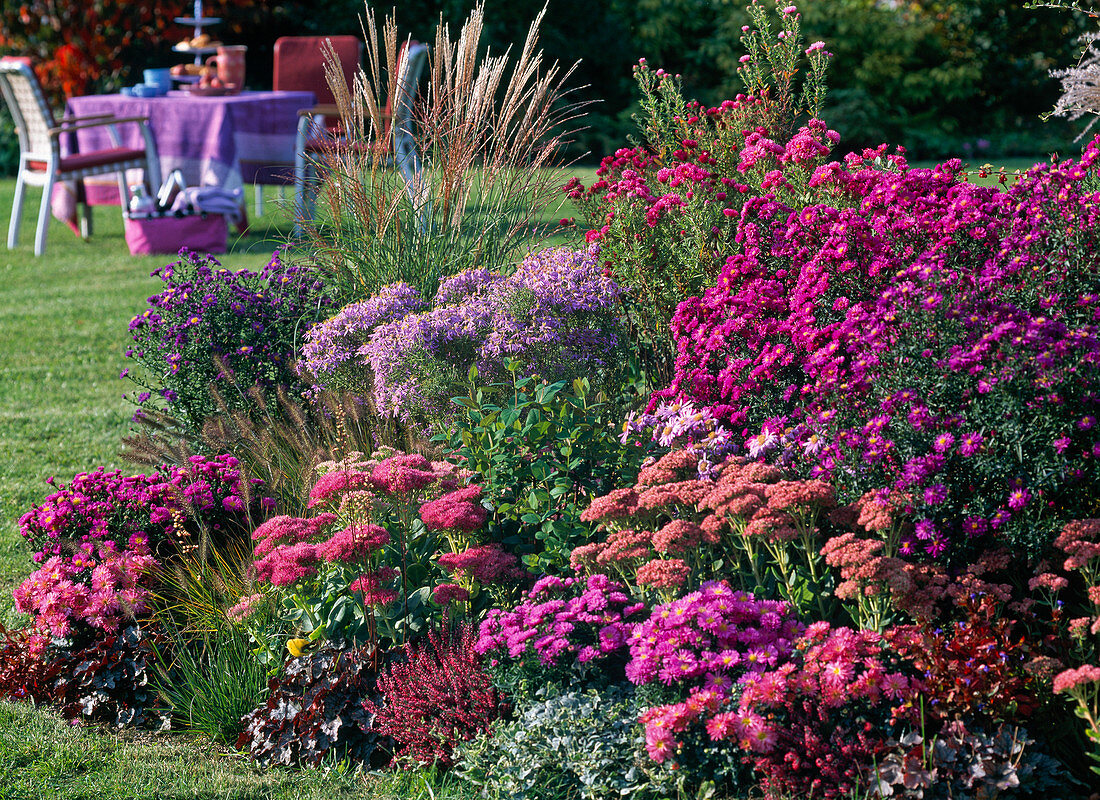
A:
(317, 136)
(300, 67)
(40, 159)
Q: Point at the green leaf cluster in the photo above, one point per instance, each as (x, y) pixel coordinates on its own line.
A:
(543, 450)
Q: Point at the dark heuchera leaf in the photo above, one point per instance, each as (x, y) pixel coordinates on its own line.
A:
(107, 680)
(24, 675)
(315, 707)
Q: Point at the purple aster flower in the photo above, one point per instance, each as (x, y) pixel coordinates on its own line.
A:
(970, 444)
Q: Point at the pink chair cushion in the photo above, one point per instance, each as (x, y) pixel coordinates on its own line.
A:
(99, 158)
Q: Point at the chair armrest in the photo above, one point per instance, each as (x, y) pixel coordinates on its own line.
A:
(95, 123)
(83, 118)
(325, 110)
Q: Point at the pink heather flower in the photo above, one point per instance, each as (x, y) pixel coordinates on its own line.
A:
(663, 574)
(446, 593)
(813, 48)
(354, 543)
(458, 510)
(336, 483)
(1072, 678)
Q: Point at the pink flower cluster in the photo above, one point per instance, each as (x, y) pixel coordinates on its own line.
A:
(814, 726)
(98, 588)
(892, 335)
(714, 636)
(102, 506)
(661, 531)
(562, 620)
(458, 511)
(486, 564)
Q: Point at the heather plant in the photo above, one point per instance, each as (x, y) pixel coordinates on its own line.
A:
(920, 336)
(540, 451)
(487, 139)
(436, 697)
(556, 316)
(314, 712)
(213, 329)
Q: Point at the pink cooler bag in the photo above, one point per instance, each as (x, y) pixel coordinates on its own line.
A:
(203, 233)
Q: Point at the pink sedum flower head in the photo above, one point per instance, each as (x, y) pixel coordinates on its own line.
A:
(336, 484)
(406, 474)
(458, 510)
(446, 593)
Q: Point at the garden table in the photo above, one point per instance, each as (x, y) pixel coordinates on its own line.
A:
(214, 141)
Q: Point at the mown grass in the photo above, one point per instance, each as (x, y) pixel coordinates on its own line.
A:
(63, 332)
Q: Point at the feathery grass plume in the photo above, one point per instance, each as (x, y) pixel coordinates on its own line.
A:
(1081, 85)
(490, 135)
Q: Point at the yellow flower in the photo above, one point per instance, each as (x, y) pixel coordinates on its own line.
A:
(297, 646)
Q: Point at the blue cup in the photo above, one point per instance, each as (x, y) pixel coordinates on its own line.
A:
(161, 78)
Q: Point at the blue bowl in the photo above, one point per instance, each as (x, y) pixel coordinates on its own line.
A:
(148, 90)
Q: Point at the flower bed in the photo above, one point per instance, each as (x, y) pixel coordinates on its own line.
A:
(848, 548)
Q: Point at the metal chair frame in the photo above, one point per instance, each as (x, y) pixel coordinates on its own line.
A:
(312, 125)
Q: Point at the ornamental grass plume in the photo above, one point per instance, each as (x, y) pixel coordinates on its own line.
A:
(489, 135)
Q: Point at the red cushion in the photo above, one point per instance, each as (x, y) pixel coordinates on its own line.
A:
(87, 160)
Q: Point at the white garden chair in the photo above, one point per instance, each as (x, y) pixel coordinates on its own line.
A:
(41, 162)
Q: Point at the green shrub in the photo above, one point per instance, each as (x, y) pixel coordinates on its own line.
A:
(541, 452)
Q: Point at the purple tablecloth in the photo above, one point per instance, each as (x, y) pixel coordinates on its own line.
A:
(214, 141)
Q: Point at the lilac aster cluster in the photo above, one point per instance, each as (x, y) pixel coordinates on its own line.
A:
(714, 636)
(206, 314)
(555, 315)
(916, 334)
(562, 621)
(330, 353)
(681, 425)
